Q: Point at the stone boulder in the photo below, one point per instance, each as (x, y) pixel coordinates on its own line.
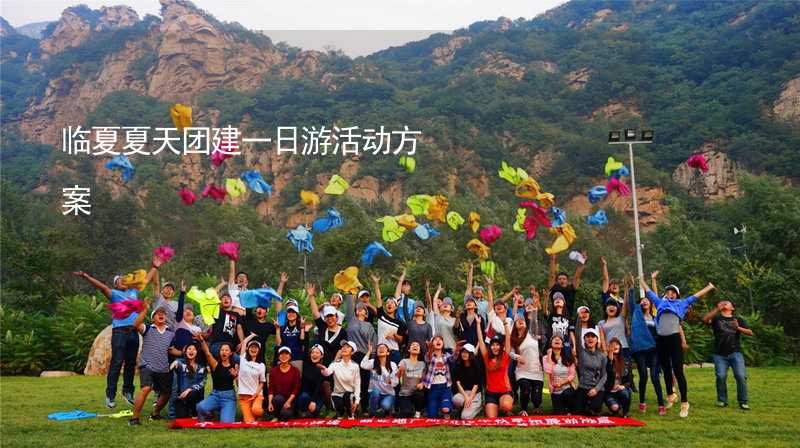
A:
(719, 183)
(100, 354)
(56, 373)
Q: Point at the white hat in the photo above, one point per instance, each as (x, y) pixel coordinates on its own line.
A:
(285, 349)
(583, 307)
(363, 293)
(318, 347)
(589, 331)
(293, 308)
(469, 347)
(351, 344)
(328, 310)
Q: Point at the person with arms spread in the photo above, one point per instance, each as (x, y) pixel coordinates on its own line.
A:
(728, 351)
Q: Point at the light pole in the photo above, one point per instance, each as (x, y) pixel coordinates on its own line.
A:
(628, 137)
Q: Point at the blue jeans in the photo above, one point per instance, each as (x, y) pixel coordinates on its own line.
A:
(439, 397)
(124, 348)
(384, 402)
(736, 362)
(304, 399)
(222, 401)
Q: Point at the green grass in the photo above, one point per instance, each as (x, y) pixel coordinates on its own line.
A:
(773, 421)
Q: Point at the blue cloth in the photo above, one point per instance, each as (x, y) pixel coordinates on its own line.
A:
(736, 362)
(425, 231)
(599, 218)
(332, 220)
(641, 337)
(222, 401)
(596, 194)
(405, 308)
(371, 251)
(123, 164)
(256, 182)
(301, 239)
(262, 297)
(624, 171)
(677, 307)
(77, 414)
(121, 296)
(559, 217)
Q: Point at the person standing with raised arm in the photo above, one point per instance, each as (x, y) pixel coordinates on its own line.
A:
(559, 283)
(643, 344)
(361, 331)
(475, 293)
(124, 336)
(496, 361)
(670, 311)
(610, 287)
(405, 303)
(728, 351)
(154, 367)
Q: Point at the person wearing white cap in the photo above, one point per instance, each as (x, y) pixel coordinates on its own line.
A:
(592, 375)
(441, 316)
(330, 333)
(364, 296)
(312, 394)
(391, 329)
(293, 335)
(559, 283)
(583, 322)
(251, 379)
(468, 378)
(154, 363)
(124, 337)
(346, 381)
(670, 310)
(284, 386)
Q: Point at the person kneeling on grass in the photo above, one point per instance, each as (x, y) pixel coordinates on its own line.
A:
(496, 359)
(619, 379)
(154, 365)
(382, 381)
(728, 351)
(223, 373)
(284, 386)
(188, 382)
(251, 379)
(346, 381)
(592, 374)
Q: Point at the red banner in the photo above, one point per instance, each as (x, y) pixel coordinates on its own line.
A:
(511, 422)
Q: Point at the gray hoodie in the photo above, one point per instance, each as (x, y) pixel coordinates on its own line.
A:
(359, 331)
(591, 369)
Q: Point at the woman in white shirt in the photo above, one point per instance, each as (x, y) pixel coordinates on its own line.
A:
(382, 381)
(529, 372)
(251, 379)
(346, 381)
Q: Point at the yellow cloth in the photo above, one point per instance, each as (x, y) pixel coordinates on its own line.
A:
(566, 236)
(409, 222)
(437, 208)
(546, 200)
(136, 279)
(612, 165)
(181, 116)
(418, 203)
(309, 198)
(207, 301)
(479, 249)
(347, 280)
(454, 220)
(528, 188)
(519, 223)
(337, 185)
(474, 221)
(235, 187)
(392, 231)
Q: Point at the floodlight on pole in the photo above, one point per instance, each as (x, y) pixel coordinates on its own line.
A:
(629, 139)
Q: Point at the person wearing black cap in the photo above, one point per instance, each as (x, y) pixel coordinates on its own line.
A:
(284, 386)
(251, 379)
(670, 310)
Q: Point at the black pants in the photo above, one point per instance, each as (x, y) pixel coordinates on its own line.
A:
(343, 405)
(124, 349)
(563, 402)
(670, 354)
(277, 408)
(586, 405)
(648, 359)
(414, 403)
(530, 390)
(188, 408)
(365, 375)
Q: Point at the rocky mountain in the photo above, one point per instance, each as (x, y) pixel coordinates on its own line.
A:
(541, 92)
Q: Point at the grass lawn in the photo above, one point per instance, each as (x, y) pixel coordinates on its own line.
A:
(773, 421)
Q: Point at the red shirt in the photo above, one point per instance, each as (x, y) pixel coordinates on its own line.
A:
(497, 373)
(284, 383)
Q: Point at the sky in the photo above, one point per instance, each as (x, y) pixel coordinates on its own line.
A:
(357, 27)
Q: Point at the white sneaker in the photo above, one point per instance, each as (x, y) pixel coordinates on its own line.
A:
(417, 414)
(684, 410)
(671, 399)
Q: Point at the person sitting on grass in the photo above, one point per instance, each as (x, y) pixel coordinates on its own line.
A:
(619, 379)
(560, 368)
(223, 373)
(312, 395)
(438, 379)
(284, 386)
(468, 379)
(251, 379)
(154, 366)
(728, 351)
(411, 396)
(382, 381)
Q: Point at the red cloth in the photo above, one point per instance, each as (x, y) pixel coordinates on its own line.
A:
(497, 373)
(216, 193)
(187, 196)
(617, 185)
(164, 253)
(490, 234)
(698, 161)
(284, 383)
(537, 217)
(229, 249)
(121, 310)
(511, 422)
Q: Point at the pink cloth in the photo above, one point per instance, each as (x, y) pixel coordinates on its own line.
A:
(537, 217)
(216, 193)
(617, 185)
(230, 250)
(222, 152)
(698, 161)
(187, 196)
(164, 253)
(490, 234)
(121, 310)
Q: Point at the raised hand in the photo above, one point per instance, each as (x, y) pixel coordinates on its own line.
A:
(284, 277)
(183, 285)
(311, 289)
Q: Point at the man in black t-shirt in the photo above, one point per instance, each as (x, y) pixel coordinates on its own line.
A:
(256, 321)
(560, 283)
(728, 351)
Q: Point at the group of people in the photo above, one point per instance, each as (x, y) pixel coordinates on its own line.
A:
(363, 353)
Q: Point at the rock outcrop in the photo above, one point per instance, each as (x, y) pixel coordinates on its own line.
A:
(73, 28)
(576, 80)
(787, 107)
(719, 183)
(496, 63)
(444, 55)
(614, 110)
